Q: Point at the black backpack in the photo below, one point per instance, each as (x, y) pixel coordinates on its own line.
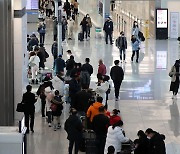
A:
(141, 36)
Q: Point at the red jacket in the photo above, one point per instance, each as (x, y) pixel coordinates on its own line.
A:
(102, 69)
(114, 119)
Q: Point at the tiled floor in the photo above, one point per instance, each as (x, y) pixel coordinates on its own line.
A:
(145, 100)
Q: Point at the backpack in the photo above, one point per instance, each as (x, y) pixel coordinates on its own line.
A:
(141, 36)
(117, 42)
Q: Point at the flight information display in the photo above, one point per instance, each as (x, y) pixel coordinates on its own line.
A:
(32, 5)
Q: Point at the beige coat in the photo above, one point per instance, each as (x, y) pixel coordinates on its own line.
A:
(172, 74)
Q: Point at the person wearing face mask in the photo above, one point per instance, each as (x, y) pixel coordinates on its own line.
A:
(135, 29)
(141, 144)
(70, 22)
(121, 43)
(108, 28)
(156, 142)
(135, 42)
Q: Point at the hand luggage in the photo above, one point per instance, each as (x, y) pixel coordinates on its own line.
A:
(127, 148)
(90, 142)
(45, 73)
(80, 36)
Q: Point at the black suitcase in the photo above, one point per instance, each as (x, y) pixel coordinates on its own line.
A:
(90, 142)
(80, 36)
(127, 148)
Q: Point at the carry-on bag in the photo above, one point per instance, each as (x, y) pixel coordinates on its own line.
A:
(80, 36)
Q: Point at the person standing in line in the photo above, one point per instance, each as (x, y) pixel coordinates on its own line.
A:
(115, 137)
(49, 97)
(58, 83)
(42, 32)
(42, 54)
(122, 45)
(34, 64)
(73, 126)
(89, 25)
(29, 100)
(70, 22)
(174, 74)
(59, 65)
(156, 142)
(93, 110)
(41, 93)
(135, 42)
(108, 28)
(135, 29)
(57, 101)
(100, 125)
(141, 144)
(74, 87)
(117, 75)
(88, 66)
(101, 88)
(84, 78)
(54, 50)
(101, 68)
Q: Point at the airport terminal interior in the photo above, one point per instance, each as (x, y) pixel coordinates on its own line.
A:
(145, 100)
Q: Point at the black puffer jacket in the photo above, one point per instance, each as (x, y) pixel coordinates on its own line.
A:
(73, 127)
(157, 145)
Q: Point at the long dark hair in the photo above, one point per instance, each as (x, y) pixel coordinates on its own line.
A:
(118, 124)
(134, 26)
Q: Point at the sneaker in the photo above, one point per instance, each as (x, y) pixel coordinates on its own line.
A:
(49, 124)
(116, 99)
(136, 61)
(55, 128)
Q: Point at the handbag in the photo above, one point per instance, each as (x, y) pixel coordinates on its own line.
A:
(53, 107)
(20, 107)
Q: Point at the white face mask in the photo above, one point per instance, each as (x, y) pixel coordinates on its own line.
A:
(148, 137)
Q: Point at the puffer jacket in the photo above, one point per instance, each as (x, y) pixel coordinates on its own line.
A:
(49, 96)
(58, 84)
(93, 110)
(115, 137)
(101, 90)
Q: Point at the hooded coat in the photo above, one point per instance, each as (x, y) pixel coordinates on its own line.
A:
(115, 137)
(93, 110)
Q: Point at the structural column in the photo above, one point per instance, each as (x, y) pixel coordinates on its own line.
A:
(20, 53)
(6, 64)
(106, 9)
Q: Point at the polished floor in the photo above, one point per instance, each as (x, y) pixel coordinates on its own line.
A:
(145, 100)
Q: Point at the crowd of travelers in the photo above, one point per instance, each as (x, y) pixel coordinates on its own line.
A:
(70, 84)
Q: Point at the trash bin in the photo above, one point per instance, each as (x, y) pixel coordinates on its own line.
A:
(98, 31)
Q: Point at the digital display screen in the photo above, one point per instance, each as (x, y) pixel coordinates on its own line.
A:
(32, 5)
(162, 18)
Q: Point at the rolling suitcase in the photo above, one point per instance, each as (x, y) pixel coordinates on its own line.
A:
(90, 142)
(80, 36)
